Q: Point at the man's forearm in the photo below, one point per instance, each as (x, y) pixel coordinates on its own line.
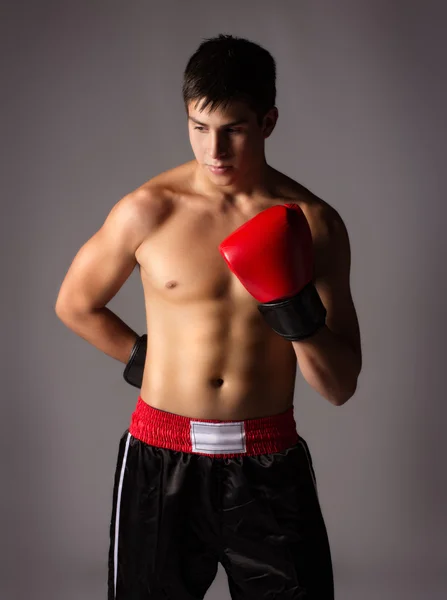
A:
(329, 365)
(103, 329)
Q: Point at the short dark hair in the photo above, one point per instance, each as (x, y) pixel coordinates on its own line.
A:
(227, 68)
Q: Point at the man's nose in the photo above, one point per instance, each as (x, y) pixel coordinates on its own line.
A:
(218, 145)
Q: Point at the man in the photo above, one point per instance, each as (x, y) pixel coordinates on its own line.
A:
(245, 275)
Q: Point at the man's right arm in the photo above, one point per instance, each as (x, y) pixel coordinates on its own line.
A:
(99, 270)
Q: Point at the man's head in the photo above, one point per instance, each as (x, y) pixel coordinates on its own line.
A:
(229, 94)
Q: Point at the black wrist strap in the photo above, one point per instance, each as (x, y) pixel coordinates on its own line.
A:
(133, 373)
(296, 318)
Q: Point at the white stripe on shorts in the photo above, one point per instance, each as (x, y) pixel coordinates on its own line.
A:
(117, 516)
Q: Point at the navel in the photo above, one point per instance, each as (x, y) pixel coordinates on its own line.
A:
(216, 382)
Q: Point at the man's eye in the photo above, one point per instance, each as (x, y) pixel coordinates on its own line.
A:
(229, 130)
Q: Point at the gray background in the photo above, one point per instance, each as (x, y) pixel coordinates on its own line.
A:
(91, 108)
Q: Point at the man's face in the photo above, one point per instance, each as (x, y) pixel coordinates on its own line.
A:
(227, 137)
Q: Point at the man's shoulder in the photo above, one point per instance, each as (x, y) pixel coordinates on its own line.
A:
(323, 218)
(157, 195)
(329, 233)
(328, 229)
(161, 190)
(144, 209)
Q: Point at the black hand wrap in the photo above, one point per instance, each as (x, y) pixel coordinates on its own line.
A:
(296, 318)
(133, 373)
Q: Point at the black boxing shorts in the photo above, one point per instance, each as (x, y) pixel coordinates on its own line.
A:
(191, 493)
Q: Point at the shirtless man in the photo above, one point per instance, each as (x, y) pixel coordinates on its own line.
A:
(212, 467)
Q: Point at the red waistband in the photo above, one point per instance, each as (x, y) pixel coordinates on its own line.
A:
(213, 437)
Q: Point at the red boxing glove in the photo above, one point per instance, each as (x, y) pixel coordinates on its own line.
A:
(272, 256)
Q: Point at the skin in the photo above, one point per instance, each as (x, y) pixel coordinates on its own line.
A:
(210, 354)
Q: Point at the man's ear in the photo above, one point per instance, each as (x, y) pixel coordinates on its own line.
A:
(269, 122)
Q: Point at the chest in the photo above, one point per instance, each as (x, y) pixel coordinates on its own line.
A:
(181, 260)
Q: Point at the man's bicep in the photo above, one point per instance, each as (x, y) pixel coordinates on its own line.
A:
(332, 280)
(103, 263)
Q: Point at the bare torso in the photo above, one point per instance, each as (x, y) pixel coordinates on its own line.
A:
(210, 355)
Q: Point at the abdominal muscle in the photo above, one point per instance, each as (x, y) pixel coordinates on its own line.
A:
(206, 362)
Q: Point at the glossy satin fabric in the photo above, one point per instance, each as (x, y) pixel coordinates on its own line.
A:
(180, 513)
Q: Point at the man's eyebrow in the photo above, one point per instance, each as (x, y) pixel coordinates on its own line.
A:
(238, 122)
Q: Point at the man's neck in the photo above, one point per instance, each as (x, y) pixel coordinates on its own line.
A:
(247, 188)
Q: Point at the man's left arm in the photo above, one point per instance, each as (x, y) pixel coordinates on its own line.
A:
(331, 359)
